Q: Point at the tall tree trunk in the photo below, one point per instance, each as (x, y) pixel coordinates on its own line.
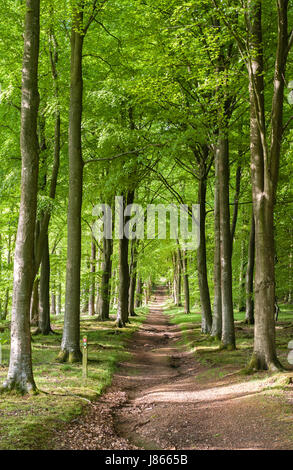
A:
(217, 315)
(53, 303)
(138, 295)
(124, 279)
(59, 300)
(206, 323)
(104, 294)
(70, 346)
(44, 327)
(290, 274)
(179, 278)
(7, 291)
(176, 287)
(186, 283)
(92, 280)
(41, 231)
(228, 331)
(265, 161)
(249, 310)
(133, 274)
(34, 304)
(236, 203)
(241, 299)
(20, 375)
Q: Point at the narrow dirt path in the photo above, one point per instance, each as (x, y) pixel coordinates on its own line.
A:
(157, 401)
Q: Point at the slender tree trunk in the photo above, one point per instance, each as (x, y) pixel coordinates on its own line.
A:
(122, 312)
(179, 277)
(228, 332)
(138, 295)
(53, 303)
(217, 315)
(104, 295)
(34, 304)
(20, 375)
(124, 279)
(7, 292)
(92, 281)
(133, 274)
(241, 300)
(59, 300)
(290, 274)
(44, 326)
(115, 290)
(204, 291)
(176, 280)
(186, 284)
(249, 310)
(236, 203)
(70, 346)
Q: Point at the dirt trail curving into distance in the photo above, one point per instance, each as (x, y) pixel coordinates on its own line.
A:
(158, 400)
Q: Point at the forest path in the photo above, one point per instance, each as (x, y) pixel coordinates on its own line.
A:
(164, 399)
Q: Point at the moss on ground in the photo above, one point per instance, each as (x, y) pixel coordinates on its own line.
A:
(28, 422)
(208, 350)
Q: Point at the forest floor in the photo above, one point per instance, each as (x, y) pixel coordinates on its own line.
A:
(178, 391)
(29, 422)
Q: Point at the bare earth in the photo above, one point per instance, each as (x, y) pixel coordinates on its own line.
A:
(158, 400)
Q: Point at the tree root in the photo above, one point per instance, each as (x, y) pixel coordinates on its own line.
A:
(69, 356)
(257, 363)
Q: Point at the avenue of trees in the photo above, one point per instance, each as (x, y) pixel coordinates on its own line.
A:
(161, 102)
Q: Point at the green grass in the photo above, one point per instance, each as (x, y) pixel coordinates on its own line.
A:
(207, 350)
(28, 422)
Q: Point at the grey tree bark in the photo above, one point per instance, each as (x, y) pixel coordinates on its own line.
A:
(124, 278)
(105, 287)
(92, 280)
(265, 160)
(20, 375)
(44, 326)
(249, 305)
(217, 314)
(133, 275)
(186, 283)
(138, 294)
(70, 346)
(206, 324)
(228, 331)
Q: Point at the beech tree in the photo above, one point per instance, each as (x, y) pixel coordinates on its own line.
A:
(20, 375)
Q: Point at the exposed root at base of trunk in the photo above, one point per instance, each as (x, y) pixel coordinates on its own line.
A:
(69, 356)
(19, 387)
(258, 363)
(48, 332)
(133, 314)
(227, 347)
